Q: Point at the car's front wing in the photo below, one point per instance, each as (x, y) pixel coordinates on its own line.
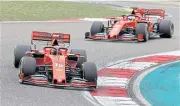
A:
(41, 80)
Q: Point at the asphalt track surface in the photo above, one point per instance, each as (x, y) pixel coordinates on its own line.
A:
(100, 52)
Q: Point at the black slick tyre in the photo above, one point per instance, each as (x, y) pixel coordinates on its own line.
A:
(96, 27)
(28, 65)
(90, 72)
(166, 27)
(19, 52)
(142, 28)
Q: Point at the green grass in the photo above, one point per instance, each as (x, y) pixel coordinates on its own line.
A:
(50, 10)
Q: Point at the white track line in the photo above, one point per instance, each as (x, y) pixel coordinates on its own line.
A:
(133, 65)
(112, 81)
(115, 101)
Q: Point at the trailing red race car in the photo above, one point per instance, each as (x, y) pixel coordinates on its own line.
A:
(141, 25)
(54, 65)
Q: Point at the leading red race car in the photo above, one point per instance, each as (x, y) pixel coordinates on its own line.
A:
(54, 65)
(141, 25)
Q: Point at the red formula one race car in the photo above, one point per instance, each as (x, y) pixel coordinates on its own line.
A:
(54, 66)
(141, 25)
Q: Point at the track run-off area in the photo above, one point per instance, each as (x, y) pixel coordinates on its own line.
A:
(100, 52)
(161, 85)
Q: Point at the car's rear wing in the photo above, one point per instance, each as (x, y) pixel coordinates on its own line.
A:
(48, 38)
(143, 11)
(158, 12)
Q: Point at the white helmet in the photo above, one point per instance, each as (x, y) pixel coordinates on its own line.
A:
(131, 17)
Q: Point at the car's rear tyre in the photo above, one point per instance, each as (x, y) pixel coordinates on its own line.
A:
(87, 35)
(90, 72)
(96, 27)
(19, 52)
(82, 53)
(142, 28)
(28, 65)
(167, 28)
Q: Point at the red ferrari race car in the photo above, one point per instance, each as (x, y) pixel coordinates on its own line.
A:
(140, 25)
(54, 66)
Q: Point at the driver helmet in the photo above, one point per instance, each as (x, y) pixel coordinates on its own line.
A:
(53, 51)
(131, 18)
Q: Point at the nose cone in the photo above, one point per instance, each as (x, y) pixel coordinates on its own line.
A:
(59, 69)
(59, 81)
(116, 29)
